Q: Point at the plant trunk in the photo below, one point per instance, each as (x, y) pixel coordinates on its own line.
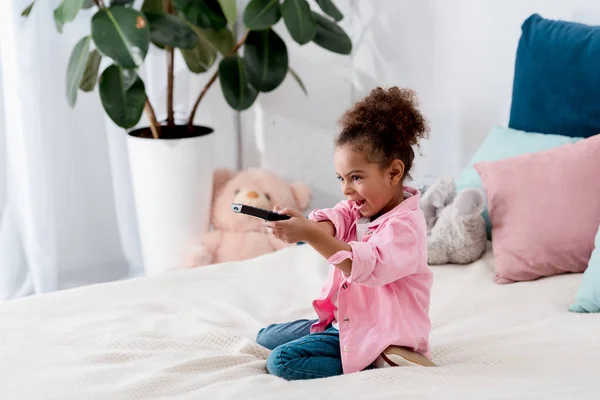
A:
(154, 125)
(170, 73)
(202, 93)
(212, 80)
(170, 81)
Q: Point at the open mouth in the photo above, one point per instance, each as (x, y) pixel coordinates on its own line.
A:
(360, 203)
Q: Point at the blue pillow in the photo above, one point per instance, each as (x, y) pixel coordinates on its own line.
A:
(504, 143)
(556, 86)
(588, 296)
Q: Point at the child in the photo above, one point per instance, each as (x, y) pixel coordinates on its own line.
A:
(373, 309)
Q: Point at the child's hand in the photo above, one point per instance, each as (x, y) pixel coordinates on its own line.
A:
(293, 230)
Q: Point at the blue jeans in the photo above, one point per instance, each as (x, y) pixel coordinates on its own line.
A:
(299, 354)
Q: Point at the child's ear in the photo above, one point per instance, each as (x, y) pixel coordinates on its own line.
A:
(396, 171)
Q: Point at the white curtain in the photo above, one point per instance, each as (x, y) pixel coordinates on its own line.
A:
(66, 209)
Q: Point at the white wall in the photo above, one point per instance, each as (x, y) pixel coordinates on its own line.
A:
(458, 55)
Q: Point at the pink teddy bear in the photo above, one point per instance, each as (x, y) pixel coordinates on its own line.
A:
(237, 236)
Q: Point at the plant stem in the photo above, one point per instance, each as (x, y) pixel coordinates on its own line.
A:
(154, 125)
(202, 93)
(100, 3)
(212, 80)
(170, 82)
(170, 73)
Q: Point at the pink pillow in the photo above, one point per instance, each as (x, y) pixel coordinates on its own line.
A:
(545, 209)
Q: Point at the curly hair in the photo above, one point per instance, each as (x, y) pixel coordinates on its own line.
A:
(385, 125)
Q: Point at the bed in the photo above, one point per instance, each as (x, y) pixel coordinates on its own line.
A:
(190, 335)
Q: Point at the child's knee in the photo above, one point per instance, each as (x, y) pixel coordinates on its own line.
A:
(265, 339)
(260, 337)
(274, 364)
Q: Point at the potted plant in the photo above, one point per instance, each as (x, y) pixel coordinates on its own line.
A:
(172, 163)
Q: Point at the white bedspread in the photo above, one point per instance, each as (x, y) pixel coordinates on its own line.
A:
(190, 335)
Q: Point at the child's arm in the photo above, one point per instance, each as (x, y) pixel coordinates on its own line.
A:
(393, 253)
(327, 246)
(396, 251)
(319, 235)
(339, 217)
(327, 227)
(327, 218)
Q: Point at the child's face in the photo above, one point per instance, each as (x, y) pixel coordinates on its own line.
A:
(375, 191)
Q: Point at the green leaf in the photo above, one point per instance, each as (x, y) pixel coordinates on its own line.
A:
(27, 10)
(171, 30)
(261, 14)
(221, 40)
(299, 20)
(120, 2)
(200, 58)
(153, 6)
(210, 42)
(266, 59)
(203, 13)
(87, 4)
(91, 72)
(330, 9)
(130, 77)
(123, 96)
(297, 79)
(230, 10)
(66, 12)
(238, 92)
(122, 34)
(331, 37)
(76, 67)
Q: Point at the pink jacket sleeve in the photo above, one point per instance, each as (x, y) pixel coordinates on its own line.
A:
(391, 254)
(340, 215)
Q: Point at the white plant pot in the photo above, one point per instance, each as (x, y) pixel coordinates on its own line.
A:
(172, 187)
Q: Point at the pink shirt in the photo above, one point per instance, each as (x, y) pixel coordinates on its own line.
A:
(385, 300)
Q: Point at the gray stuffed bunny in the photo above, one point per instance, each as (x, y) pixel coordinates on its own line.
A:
(455, 228)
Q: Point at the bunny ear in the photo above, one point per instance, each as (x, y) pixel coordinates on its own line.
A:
(436, 198)
(470, 201)
(220, 178)
(302, 194)
(440, 194)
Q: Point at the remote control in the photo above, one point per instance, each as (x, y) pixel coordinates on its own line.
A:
(258, 212)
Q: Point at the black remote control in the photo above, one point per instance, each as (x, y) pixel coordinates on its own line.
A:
(258, 212)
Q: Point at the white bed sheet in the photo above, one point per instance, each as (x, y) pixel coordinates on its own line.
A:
(190, 335)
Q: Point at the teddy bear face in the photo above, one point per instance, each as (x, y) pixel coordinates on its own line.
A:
(253, 187)
(252, 197)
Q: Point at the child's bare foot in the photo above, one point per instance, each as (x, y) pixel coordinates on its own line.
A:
(395, 356)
